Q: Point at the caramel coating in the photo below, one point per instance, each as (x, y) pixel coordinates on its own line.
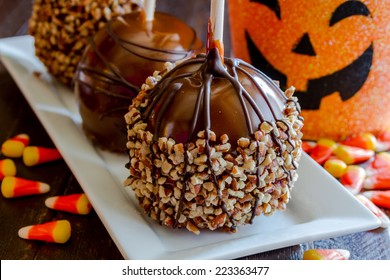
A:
(117, 62)
(235, 105)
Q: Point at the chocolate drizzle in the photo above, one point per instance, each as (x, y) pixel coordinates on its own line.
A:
(183, 104)
(115, 65)
(256, 105)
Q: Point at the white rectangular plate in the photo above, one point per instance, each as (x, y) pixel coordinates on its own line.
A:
(320, 207)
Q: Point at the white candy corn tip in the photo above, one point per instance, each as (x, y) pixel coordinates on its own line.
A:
(345, 253)
(24, 232)
(368, 194)
(23, 135)
(368, 183)
(50, 202)
(44, 188)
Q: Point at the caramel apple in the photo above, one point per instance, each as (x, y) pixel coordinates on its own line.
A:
(117, 62)
(61, 30)
(212, 144)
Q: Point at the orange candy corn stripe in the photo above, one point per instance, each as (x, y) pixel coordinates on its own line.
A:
(385, 221)
(57, 231)
(34, 155)
(7, 168)
(323, 150)
(14, 146)
(308, 146)
(383, 140)
(74, 203)
(381, 163)
(378, 181)
(384, 136)
(379, 198)
(326, 254)
(353, 178)
(16, 187)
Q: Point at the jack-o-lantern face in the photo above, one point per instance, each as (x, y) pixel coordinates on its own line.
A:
(312, 45)
(326, 49)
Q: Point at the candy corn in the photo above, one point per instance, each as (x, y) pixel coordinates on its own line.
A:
(383, 140)
(16, 187)
(365, 141)
(308, 146)
(74, 203)
(323, 150)
(353, 178)
(57, 231)
(14, 146)
(384, 136)
(336, 167)
(378, 181)
(381, 163)
(7, 168)
(326, 254)
(385, 221)
(33, 155)
(352, 155)
(379, 198)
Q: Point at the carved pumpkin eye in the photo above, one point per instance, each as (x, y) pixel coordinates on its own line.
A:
(272, 4)
(347, 9)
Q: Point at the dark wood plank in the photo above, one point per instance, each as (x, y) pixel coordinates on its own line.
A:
(89, 240)
(14, 16)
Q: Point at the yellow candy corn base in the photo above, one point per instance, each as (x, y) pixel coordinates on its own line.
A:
(12, 148)
(62, 231)
(83, 205)
(7, 168)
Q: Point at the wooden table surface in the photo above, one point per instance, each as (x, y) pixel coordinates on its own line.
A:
(90, 239)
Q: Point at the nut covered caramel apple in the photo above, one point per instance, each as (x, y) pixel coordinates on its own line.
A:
(61, 30)
(212, 145)
(117, 62)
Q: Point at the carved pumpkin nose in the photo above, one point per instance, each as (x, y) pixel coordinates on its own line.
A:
(304, 46)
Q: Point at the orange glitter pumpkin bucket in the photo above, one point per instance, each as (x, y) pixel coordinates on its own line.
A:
(335, 53)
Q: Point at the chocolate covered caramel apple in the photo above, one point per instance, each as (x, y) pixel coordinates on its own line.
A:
(61, 30)
(117, 62)
(212, 144)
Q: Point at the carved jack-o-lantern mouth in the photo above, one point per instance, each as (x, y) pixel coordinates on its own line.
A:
(346, 81)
